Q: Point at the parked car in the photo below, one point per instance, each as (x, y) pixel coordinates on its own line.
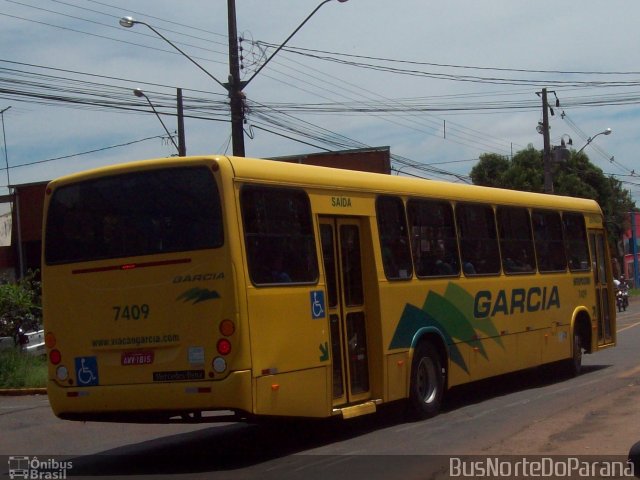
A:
(29, 342)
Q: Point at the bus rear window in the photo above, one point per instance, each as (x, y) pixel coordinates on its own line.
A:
(279, 236)
(133, 214)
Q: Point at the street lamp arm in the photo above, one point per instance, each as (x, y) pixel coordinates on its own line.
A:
(129, 22)
(585, 146)
(245, 83)
(139, 93)
(590, 139)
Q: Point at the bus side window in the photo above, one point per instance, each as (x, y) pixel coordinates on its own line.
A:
(433, 238)
(278, 233)
(478, 239)
(548, 239)
(394, 238)
(516, 241)
(575, 235)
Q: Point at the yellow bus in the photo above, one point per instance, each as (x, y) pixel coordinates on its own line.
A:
(177, 287)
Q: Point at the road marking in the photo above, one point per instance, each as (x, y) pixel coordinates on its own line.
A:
(628, 327)
(629, 373)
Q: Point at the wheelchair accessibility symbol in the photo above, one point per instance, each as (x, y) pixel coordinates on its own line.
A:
(317, 304)
(87, 371)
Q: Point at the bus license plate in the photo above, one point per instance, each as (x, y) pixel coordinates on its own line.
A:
(137, 358)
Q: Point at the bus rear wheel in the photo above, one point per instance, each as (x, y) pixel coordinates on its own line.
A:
(427, 382)
(573, 365)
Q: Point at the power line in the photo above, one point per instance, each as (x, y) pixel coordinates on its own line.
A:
(101, 149)
(337, 58)
(403, 112)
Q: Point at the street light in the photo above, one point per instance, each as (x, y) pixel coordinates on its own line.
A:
(244, 84)
(139, 93)
(234, 86)
(129, 22)
(590, 139)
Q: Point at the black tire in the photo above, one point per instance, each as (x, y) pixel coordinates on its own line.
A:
(426, 389)
(573, 366)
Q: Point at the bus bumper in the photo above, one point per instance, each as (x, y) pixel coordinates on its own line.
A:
(156, 402)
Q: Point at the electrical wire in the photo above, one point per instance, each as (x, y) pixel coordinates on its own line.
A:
(95, 150)
(406, 113)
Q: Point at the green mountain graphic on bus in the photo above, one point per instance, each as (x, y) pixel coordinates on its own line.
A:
(197, 295)
(451, 315)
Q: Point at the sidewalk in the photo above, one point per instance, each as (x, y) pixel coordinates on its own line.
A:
(610, 425)
(22, 391)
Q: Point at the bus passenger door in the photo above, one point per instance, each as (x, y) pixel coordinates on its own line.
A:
(341, 252)
(600, 278)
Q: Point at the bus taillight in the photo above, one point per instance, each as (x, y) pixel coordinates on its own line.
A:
(50, 340)
(224, 346)
(55, 357)
(227, 328)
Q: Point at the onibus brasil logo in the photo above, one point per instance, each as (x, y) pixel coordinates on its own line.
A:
(34, 468)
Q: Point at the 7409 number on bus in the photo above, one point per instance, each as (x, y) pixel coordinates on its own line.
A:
(131, 312)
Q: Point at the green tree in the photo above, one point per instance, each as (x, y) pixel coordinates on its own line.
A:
(492, 168)
(524, 172)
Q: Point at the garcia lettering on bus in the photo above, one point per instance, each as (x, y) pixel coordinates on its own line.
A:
(518, 300)
(199, 277)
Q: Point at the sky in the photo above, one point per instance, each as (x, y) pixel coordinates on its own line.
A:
(440, 83)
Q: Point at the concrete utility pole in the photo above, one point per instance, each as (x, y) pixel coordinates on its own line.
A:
(235, 85)
(546, 154)
(182, 145)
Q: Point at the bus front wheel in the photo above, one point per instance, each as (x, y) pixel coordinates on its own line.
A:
(427, 381)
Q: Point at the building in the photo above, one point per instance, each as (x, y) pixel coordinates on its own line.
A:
(20, 250)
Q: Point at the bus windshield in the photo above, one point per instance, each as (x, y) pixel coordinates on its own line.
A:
(139, 213)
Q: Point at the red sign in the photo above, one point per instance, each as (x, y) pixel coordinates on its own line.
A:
(137, 358)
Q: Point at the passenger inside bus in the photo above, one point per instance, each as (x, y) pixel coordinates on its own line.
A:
(276, 270)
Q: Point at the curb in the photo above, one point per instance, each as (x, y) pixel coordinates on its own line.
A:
(22, 391)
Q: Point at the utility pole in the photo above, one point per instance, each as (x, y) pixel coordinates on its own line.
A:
(546, 154)
(235, 85)
(182, 146)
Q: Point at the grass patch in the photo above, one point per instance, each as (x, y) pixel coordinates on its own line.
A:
(18, 370)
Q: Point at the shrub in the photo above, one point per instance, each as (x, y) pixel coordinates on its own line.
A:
(20, 305)
(18, 370)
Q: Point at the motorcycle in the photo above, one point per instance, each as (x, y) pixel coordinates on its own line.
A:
(622, 299)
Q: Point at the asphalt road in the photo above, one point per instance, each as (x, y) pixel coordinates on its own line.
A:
(531, 413)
